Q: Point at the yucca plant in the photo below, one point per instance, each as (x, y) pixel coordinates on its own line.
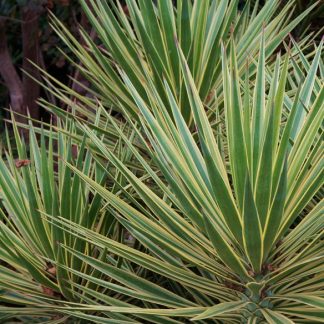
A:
(232, 230)
(142, 43)
(223, 214)
(34, 180)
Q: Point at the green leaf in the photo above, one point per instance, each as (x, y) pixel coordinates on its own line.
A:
(224, 250)
(252, 238)
(307, 299)
(258, 110)
(275, 213)
(274, 317)
(215, 311)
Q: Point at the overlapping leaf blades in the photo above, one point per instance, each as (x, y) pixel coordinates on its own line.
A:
(225, 220)
(142, 43)
(189, 229)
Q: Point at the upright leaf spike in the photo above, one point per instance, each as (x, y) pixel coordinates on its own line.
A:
(258, 111)
(252, 238)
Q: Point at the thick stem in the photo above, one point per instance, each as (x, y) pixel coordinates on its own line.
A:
(10, 75)
(30, 36)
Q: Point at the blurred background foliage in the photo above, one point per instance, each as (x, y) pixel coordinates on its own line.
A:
(49, 57)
